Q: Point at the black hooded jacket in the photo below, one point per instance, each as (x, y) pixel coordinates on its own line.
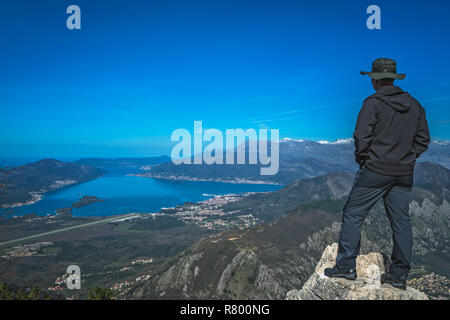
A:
(391, 132)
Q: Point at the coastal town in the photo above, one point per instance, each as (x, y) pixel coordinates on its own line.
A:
(150, 174)
(209, 213)
(61, 282)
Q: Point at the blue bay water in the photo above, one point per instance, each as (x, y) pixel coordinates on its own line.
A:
(125, 194)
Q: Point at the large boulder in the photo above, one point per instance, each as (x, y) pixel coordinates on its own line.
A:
(367, 286)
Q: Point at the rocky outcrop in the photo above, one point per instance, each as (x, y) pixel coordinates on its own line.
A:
(367, 286)
(181, 274)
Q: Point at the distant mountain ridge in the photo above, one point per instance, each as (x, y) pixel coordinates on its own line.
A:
(122, 162)
(299, 159)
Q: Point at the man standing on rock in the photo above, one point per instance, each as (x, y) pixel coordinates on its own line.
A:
(391, 133)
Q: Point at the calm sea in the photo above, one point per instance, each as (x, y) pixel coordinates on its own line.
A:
(125, 194)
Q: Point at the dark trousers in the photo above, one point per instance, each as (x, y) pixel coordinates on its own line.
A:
(368, 188)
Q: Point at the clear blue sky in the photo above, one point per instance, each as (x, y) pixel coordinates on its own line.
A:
(137, 70)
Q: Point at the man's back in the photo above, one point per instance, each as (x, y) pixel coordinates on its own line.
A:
(391, 132)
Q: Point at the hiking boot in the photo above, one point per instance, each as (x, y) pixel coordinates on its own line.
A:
(335, 272)
(396, 282)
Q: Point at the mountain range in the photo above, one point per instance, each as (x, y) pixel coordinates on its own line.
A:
(295, 223)
(122, 162)
(298, 159)
(268, 260)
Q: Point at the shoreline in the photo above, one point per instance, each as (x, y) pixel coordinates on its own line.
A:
(35, 197)
(185, 178)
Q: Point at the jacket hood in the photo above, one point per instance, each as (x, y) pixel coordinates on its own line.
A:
(395, 97)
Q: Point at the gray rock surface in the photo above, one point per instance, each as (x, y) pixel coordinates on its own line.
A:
(367, 286)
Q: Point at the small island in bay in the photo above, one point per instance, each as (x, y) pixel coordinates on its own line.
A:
(86, 200)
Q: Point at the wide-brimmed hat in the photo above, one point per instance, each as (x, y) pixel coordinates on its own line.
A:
(384, 68)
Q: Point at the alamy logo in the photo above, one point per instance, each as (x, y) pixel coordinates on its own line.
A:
(374, 20)
(74, 20)
(248, 142)
(74, 279)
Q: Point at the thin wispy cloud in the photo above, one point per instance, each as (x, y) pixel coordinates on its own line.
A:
(442, 122)
(277, 119)
(281, 116)
(437, 99)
